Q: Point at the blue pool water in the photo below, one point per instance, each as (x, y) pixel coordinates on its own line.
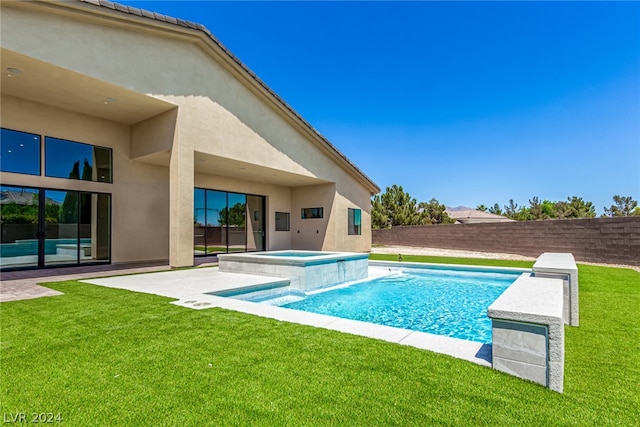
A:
(452, 303)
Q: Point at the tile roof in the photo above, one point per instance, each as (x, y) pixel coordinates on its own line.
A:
(195, 26)
(470, 213)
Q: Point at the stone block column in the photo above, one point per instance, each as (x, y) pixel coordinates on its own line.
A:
(528, 331)
(562, 266)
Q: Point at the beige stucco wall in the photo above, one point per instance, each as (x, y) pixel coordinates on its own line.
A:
(218, 113)
(140, 212)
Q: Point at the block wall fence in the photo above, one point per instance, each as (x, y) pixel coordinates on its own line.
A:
(601, 240)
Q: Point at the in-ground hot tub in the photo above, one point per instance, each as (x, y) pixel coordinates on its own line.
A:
(306, 270)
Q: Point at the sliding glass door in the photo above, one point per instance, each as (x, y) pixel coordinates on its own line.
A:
(19, 219)
(43, 227)
(236, 215)
(95, 227)
(227, 222)
(255, 224)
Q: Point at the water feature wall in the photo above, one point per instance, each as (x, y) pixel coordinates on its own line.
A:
(306, 270)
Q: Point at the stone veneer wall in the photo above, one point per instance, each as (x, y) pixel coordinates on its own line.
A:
(601, 240)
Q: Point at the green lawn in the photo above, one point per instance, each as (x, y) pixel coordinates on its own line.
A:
(100, 356)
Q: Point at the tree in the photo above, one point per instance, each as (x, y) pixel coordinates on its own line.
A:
(379, 215)
(68, 213)
(14, 213)
(541, 210)
(394, 207)
(578, 208)
(87, 171)
(496, 210)
(511, 210)
(573, 207)
(482, 208)
(236, 215)
(562, 210)
(624, 206)
(535, 208)
(433, 213)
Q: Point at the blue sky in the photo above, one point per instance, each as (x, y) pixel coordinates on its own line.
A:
(468, 102)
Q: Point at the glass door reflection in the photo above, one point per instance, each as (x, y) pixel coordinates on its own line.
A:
(95, 219)
(19, 218)
(216, 227)
(227, 222)
(42, 227)
(236, 216)
(255, 226)
(61, 245)
(199, 222)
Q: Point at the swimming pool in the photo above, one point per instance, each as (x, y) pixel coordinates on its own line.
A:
(447, 302)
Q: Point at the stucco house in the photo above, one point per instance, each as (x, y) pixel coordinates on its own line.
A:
(136, 136)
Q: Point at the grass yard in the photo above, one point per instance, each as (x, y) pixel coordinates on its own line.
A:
(100, 356)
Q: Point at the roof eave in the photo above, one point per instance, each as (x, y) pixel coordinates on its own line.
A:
(168, 23)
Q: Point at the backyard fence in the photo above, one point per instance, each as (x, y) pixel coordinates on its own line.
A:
(601, 240)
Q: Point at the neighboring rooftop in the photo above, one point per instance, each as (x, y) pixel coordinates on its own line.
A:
(466, 215)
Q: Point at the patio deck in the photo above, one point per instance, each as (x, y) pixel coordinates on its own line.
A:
(23, 284)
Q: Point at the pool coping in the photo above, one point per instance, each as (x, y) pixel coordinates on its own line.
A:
(199, 297)
(461, 267)
(462, 349)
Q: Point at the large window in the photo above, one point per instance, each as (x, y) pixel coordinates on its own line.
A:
(74, 160)
(227, 222)
(19, 152)
(355, 221)
(44, 227)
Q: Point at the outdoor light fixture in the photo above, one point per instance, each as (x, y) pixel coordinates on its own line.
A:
(13, 71)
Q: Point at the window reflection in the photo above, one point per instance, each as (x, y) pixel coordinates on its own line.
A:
(216, 204)
(227, 222)
(312, 213)
(255, 224)
(19, 152)
(95, 218)
(61, 227)
(19, 226)
(74, 160)
(236, 219)
(70, 227)
(355, 221)
(283, 221)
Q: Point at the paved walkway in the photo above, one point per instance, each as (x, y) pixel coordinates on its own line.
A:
(23, 284)
(19, 285)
